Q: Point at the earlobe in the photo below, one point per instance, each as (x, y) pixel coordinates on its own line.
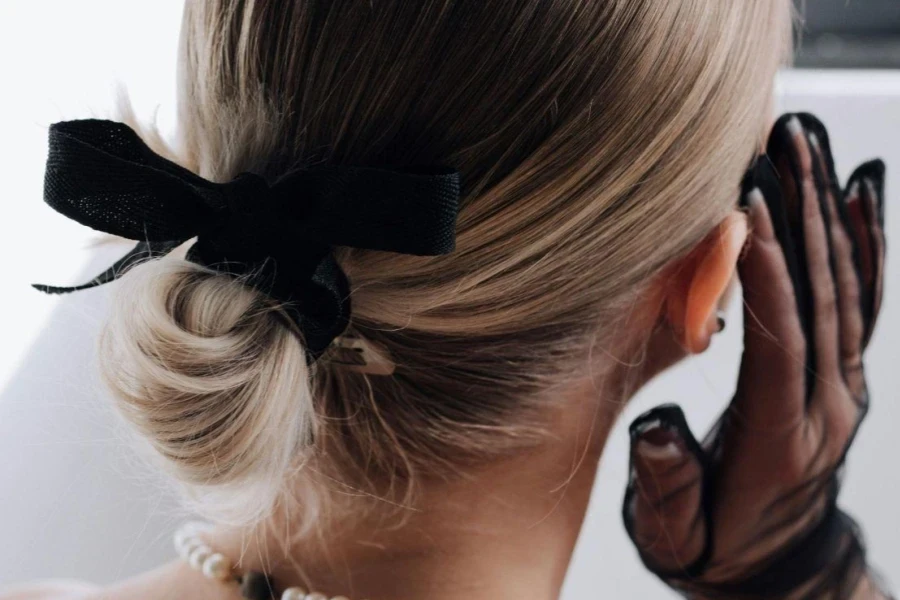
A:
(713, 272)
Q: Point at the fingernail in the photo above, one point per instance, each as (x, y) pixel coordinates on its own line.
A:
(875, 201)
(657, 443)
(762, 226)
(755, 197)
(853, 192)
(794, 126)
(814, 141)
(870, 187)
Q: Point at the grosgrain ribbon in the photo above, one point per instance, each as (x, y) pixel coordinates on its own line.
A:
(278, 236)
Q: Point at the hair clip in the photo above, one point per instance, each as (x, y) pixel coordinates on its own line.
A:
(362, 356)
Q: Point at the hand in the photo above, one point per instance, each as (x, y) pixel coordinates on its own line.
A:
(751, 511)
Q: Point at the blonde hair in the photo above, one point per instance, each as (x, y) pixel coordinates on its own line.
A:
(596, 142)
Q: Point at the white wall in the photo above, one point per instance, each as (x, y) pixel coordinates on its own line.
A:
(74, 502)
(71, 501)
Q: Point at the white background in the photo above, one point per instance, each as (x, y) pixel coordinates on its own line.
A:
(75, 502)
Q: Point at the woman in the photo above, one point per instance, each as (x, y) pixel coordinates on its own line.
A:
(451, 450)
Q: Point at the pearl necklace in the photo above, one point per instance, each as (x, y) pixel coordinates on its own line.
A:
(254, 586)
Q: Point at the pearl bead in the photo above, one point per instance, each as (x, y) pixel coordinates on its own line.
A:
(187, 546)
(181, 536)
(191, 547)
(179, 546)
(216, 566)
(198, 556)
(294, 593)
(194, 545)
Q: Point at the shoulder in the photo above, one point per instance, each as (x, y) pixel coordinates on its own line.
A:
(51, 589)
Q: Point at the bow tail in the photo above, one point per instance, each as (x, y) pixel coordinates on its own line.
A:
(141, 252)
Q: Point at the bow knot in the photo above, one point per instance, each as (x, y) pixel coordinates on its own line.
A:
(101, 174)
(246, 194)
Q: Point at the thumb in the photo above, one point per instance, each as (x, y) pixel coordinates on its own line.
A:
(664, 508)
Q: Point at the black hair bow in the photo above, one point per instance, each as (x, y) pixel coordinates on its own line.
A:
(278, 237)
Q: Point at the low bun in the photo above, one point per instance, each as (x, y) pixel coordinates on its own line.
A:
(573, 204)
(206, 371)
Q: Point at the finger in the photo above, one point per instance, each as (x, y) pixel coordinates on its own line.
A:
(865, 207)
(844, 256)
(781, 154)
(825, 336)
(833, 410)
(865, 244)
(664, 509)
(875, 202)
(774, 345)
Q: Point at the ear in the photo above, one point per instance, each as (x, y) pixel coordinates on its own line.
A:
(702, 280)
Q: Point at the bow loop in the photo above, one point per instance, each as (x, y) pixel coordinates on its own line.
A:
(102, 175)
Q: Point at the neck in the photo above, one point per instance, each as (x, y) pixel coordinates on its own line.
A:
(507, 530)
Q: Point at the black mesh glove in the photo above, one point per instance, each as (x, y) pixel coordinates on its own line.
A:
(751, 511)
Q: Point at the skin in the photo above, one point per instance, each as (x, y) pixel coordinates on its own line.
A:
(509, 529)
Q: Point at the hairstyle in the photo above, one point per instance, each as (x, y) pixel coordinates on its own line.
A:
(596, 143)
